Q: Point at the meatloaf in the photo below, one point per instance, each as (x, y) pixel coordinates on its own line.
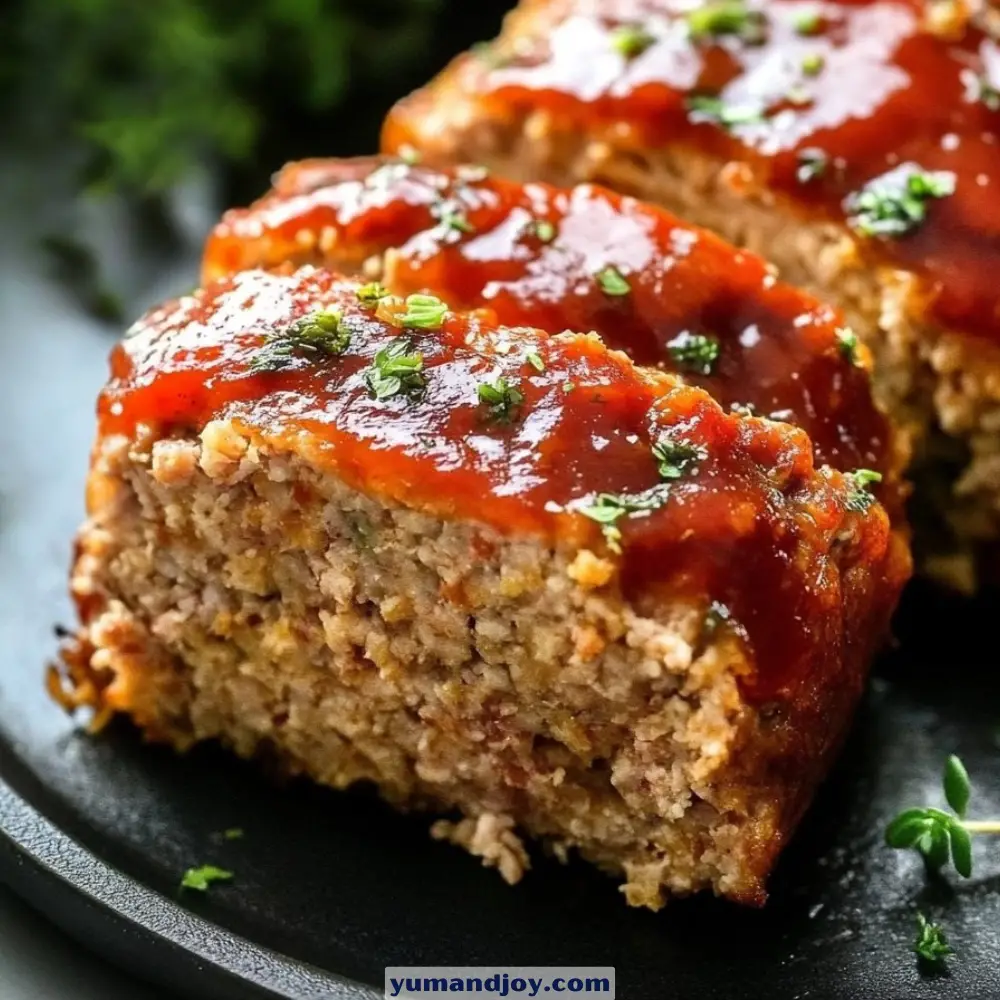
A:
(854, 144)
(503, 574)
(667, 293)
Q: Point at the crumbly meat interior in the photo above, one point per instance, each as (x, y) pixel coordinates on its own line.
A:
(233, 592)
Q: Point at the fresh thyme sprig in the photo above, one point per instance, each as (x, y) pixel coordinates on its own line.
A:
(937, 834)
(931, 944)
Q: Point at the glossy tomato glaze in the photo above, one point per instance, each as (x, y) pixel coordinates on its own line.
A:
(474, 239)
(887, 92)
(753, 526)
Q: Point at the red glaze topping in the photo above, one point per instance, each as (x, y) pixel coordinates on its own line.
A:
(749, 523)
(538, 255)
(868, 84)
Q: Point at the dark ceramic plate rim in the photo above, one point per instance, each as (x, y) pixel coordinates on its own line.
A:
(138, 928)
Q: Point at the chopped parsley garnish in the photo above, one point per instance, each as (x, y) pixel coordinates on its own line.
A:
(847, 343)
(372, 292)
(859, 497)
(694, 352)
(320, 334)
(201, 878)
(501, 399)
(726, 17)
(542, 230)
(813, 162)
(896, 202)
(807, 22)
(675, 458)
(612, 281)
(451, 215)
(396, 370)
(931, 944)
(608, 508)
(424, 311)
(535, 360)
(704, 108)
(631, 40)
(979, 89)
(812, 64)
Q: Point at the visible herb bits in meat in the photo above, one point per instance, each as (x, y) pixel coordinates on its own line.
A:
(501, 399)
(535, 360)
(896, 202)
(320, 334)
(812, 163)
(631, 40)
(424, 311)
(812, 64)
(372, 292)
(675, 459)
(703, 108)
(979, 89)
(859, 496)
(694, 352)
(847, 344)
(612, 281)
(727, 17)
(199, 879)
(396, 370)
(807, 22)
(609, 508)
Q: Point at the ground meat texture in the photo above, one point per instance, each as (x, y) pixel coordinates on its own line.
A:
(795, 135)
(398, 581)
(667, 293)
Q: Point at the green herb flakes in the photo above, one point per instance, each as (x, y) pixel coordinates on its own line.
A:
(896, 202)
(424, 311)
(859, 496)
(199, 879)
(727, 17)
(501, 399)
(676, 458)
(704, 108)
(609, 508)
(631, 40)
(812, 163)
(694, 352)
(320, 334)
(612, 281)
(397, 370)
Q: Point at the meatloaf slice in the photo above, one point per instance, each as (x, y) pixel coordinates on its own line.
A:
(493, 571)
(667, 293)
(854, 144)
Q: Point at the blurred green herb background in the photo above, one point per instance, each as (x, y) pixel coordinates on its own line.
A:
(148, 88)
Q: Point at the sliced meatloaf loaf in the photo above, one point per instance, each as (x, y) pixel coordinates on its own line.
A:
(491, 570)
(667, 293)
(854, 144)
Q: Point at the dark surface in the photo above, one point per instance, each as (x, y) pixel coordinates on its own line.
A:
(339, 882)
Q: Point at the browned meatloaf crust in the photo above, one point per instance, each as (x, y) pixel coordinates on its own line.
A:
(777, 129)
(584, 603)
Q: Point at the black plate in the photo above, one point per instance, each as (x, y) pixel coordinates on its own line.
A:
(331, 888)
